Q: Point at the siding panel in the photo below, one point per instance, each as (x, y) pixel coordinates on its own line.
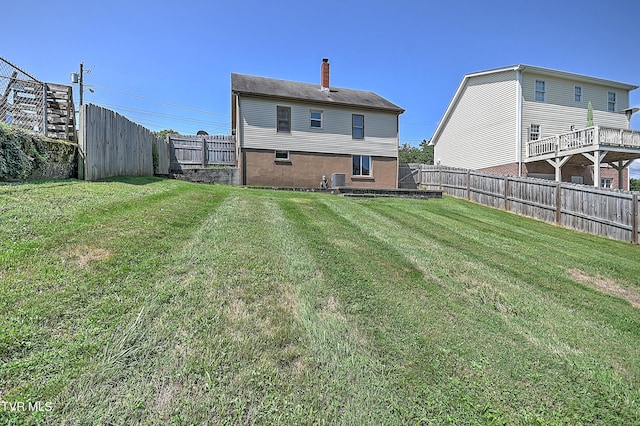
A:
(561, 92)
(258, 124)
(485, 119)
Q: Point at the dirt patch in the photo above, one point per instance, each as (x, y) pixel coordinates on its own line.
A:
(166, 396)
(333, 309)
(237, 308)
(607, 286)
(84, 255)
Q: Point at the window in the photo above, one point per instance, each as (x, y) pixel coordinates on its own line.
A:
(541, 91)
(357, 126)
(534, 132)
(361, 165)
(577, 93)
(282, 155)
(606, 183)
(577, 179)
(611, 104)
(316, 119)
(284, 119)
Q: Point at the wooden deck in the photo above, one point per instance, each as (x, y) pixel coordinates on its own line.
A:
(619, 144)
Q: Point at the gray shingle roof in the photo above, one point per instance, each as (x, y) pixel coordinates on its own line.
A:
(270, 87)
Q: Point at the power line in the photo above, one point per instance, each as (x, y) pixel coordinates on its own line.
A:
(157, 101)
(175, 117)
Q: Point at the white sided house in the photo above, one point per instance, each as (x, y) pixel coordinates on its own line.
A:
(292, 134)
(531, 121)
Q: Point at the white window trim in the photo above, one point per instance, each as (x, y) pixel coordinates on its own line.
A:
(370, 175)
(543, 91)
(321, 119)
(354, 127)
(278, 120)
(614, 102)
(288, 158)
(577, 93)
(532, 133)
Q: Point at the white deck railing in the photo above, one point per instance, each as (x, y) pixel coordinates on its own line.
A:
(589, 136)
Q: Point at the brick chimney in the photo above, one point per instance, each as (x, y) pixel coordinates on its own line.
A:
(324, 74)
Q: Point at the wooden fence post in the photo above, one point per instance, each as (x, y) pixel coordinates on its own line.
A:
(204, 152)
(439, 177)
(634, 218)
(468, 184)
(506, 193)
(558, 202)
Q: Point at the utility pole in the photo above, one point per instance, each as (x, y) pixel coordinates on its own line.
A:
(81, 87)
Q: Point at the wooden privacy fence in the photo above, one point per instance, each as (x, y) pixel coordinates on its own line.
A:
(111, 145)
(188, 152)
(605, 212)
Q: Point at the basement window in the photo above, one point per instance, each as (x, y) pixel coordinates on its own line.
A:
(282, 155)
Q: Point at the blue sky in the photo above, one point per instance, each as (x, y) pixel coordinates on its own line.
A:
(168, 64)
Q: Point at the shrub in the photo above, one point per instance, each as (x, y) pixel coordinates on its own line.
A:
(20, 152)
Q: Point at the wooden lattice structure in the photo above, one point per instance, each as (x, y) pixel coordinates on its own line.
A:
(30, 104)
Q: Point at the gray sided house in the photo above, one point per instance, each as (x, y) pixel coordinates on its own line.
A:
(530, 121)
(292, 134)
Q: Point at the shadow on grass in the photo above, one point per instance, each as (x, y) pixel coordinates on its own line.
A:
(33, 184)
(133, 180)
(27, 185)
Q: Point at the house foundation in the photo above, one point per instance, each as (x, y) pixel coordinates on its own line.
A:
(305, 170)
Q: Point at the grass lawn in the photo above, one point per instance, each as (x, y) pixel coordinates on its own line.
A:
(150, 301)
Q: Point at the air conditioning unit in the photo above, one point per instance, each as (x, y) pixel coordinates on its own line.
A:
(338, 179)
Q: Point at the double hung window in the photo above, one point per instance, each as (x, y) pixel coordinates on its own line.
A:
(361, 165)
(284, 119)
(357, 126)
(541, 90)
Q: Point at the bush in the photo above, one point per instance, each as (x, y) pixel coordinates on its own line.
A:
(20, 152)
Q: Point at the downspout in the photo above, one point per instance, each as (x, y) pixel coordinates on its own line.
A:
(397, 149)
(519, 119)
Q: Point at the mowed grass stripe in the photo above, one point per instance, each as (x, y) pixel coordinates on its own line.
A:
(220, 305)
(352, 384)
(510, 312)
(373, 298)
(97, 275)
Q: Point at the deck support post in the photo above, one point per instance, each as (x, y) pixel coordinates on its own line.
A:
(620, 166)
(596, 159)
(557, 164)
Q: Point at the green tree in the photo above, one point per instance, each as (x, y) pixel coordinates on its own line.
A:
(163, 133)
(635, 184)
(422, 154)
